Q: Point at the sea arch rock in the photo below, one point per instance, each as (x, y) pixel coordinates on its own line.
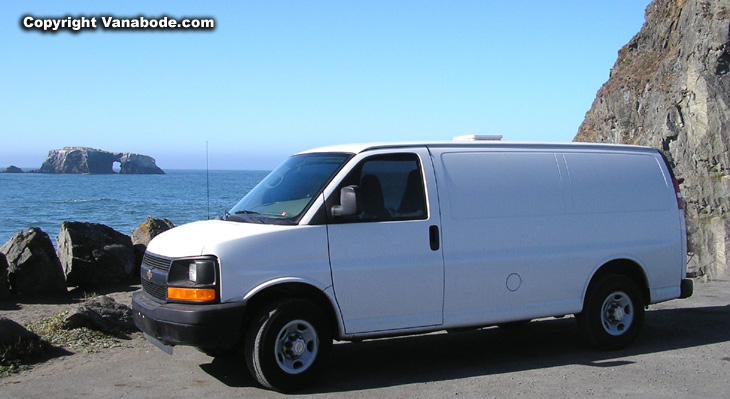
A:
(85, 160)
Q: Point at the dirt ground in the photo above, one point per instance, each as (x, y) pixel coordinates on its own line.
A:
(683, 352)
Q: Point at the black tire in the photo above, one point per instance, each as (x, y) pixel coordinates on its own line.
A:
(287, 344)
(613, 313)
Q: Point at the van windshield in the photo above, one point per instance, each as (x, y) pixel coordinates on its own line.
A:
(288, 191)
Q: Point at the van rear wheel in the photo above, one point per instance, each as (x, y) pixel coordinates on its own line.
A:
(286, 344)
(613, 313)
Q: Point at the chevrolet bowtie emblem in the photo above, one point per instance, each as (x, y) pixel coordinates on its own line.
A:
(149, 274)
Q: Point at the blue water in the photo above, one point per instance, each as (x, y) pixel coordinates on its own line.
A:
(119, 201)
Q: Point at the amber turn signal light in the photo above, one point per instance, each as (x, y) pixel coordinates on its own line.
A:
(191, 294)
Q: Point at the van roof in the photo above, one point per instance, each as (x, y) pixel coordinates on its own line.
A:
(358, 148)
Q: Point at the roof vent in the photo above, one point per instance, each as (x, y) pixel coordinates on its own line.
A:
(479, 137)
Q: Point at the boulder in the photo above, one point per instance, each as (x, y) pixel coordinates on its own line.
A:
(149, 229)
(93, 254)
(101, 314)
(143, 234)
(12, 169)
(17, 344)
(74, 160)
(11, 333)
(4, 288)
(33, 267)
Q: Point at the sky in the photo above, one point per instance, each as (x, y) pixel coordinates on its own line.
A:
(277, 77)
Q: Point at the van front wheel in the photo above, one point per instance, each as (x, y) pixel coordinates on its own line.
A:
(286, 344)
(613, 313)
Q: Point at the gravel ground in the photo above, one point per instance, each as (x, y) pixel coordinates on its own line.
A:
(683, 352)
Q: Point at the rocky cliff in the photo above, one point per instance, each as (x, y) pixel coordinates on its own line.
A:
(670, 89)
(93, 161)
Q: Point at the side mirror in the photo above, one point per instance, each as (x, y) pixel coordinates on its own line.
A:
(349, 202)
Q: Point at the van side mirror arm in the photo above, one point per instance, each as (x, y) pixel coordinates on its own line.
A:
(349, 202)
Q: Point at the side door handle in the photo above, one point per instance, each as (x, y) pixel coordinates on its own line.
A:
(433, 237)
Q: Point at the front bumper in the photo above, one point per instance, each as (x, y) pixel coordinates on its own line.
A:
(203, 326)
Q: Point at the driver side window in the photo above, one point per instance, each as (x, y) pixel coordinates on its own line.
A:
(390, 188)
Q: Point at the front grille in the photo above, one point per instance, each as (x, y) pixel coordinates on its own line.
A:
(156, 262)
(154, 280)
(154, 290)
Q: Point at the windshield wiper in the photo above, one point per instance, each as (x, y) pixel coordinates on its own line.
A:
(250, 219)
(253, 213)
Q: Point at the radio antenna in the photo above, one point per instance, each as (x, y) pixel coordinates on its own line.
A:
(207, 177)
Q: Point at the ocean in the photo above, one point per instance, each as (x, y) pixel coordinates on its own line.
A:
(121, 202)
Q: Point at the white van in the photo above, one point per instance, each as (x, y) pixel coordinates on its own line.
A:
(366, 241)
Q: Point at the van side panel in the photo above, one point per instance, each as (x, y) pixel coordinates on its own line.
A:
(505, 251)
(525, 229)
(629, 200)
(531, 189)
(617, 183)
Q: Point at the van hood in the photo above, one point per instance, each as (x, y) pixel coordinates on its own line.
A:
(192, 239)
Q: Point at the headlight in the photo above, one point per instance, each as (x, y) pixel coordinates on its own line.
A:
(193, 279)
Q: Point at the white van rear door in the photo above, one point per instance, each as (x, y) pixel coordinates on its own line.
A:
(387, 266)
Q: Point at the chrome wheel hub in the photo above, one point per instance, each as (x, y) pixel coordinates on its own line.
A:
(296, 346)
(617, 313)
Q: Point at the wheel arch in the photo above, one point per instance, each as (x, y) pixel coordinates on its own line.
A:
(624, 267)
(299, 289)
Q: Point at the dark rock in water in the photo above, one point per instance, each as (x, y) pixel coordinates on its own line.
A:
(101, 314)
(93, 254)
(4, 287)
(33, 267)
(12, 169)
(143, 234)
(76, 160)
